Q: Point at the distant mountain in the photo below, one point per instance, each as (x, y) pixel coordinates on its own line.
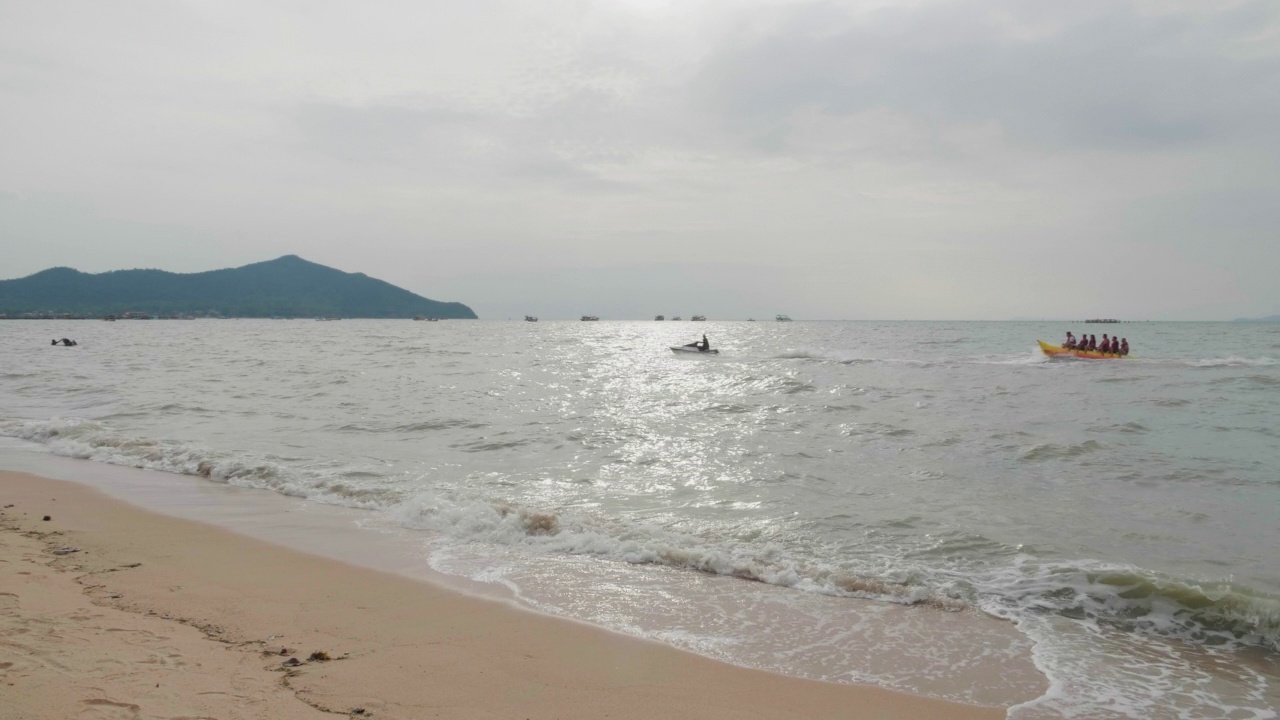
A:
(1269, 318)
(285, 287)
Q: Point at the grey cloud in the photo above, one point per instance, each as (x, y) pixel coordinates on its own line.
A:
(547, 147)
(380, 132)
(1212, 223)
(1119, 80)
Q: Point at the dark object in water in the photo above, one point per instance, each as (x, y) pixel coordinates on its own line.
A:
(46, 518)
(64, 341)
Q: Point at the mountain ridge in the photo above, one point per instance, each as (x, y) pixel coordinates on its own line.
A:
(288, 286)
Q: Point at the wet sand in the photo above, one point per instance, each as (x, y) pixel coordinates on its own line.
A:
(107, 610)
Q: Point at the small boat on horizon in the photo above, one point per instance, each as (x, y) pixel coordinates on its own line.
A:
(783, 318)
(589, 318)
(530, 318)
(698, 318)
(659, 318)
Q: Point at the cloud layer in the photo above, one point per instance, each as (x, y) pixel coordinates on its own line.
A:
(825, 159)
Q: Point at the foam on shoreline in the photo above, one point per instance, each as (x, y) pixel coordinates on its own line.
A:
(399, 646)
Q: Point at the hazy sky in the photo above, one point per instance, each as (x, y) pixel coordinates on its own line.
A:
(733, 158)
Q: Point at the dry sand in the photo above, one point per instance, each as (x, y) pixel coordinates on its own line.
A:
(109, 611)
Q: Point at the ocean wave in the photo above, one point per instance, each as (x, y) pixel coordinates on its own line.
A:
(1218, 613)
(549, 531)
(1053, 451)
(90, 440)
(874, 428)
(1125, 427)
(1233, 362)
(484, 445)
(415, 427)
(773, 384)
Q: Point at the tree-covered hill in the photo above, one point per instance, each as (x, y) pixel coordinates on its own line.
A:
(285, 287)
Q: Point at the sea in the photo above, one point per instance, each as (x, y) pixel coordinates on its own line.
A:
(933, 507)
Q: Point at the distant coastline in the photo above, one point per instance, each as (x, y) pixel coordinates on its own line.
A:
(287, 287)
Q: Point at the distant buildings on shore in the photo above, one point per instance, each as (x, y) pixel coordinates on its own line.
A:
(52, 315)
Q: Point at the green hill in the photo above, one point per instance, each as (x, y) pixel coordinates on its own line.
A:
(285, 287)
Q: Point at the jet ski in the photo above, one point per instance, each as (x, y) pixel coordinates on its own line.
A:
(693, 348)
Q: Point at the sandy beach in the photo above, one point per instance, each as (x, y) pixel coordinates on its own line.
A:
(109, 611)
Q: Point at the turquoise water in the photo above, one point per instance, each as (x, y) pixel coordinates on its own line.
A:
(877, 481)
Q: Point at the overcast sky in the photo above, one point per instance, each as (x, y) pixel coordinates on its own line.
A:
(623, 158)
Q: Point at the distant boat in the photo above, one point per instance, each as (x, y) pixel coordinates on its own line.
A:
(783, 318)
(660, 317)
(588, 318)
(693, 348)
(698, 318)
(530, 318)
(675, 317)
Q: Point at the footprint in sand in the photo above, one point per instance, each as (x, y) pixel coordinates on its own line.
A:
(109, 710)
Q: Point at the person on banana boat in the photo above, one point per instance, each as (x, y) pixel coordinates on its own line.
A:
(1070, 342)
(1124, 346)
(1105, 345)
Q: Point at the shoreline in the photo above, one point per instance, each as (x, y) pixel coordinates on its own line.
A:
(175, 617)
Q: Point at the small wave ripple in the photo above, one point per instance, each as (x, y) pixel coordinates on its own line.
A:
(89, 440)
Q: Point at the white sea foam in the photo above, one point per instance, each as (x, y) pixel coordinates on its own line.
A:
(1234, 362)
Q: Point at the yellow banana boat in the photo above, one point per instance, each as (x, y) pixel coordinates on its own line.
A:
(1055, 350)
